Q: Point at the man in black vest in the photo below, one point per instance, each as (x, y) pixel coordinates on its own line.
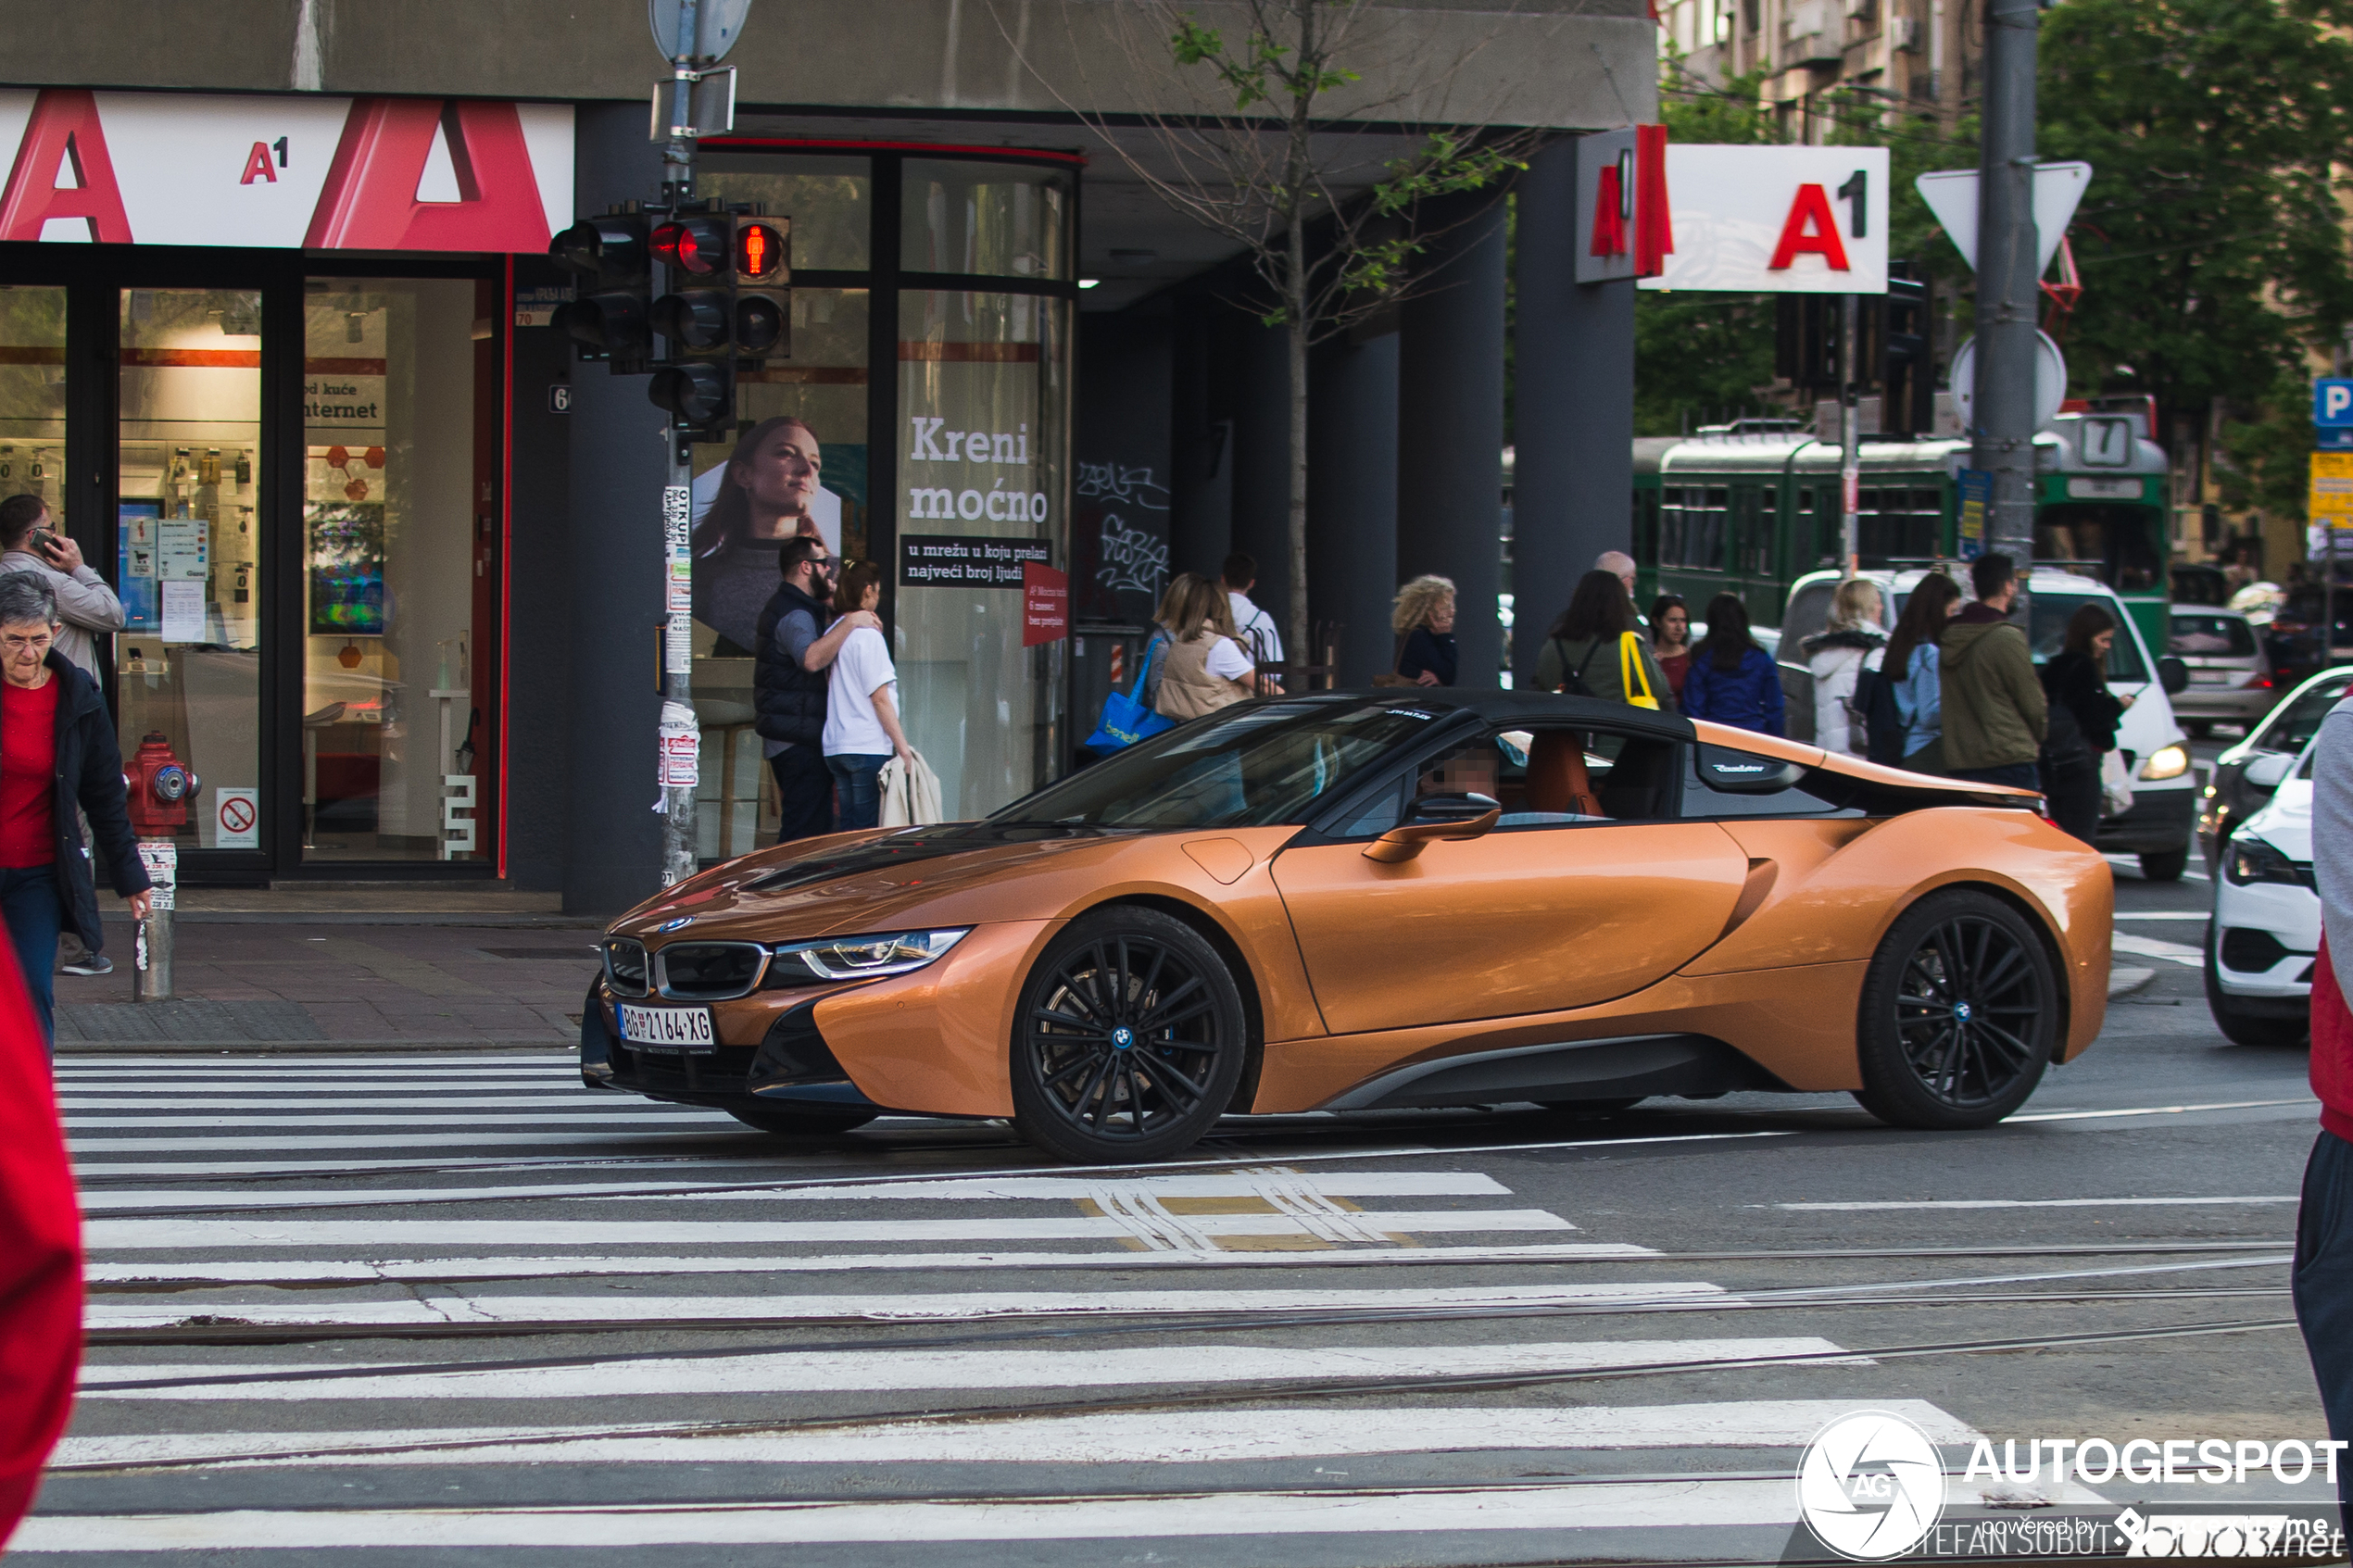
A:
(789, 684)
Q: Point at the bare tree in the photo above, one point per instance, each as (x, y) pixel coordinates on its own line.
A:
(1278, 149)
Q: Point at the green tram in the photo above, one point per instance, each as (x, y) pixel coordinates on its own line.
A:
(1751, 508)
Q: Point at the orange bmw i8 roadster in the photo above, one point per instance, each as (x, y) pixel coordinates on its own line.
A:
(1357, 900)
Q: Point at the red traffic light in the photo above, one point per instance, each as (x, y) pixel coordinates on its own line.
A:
(692, 245)
(759, 250)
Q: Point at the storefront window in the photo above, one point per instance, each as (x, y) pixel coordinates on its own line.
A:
(188, 567)
(830, 201)
(397, 521)
(1008, 221)
(33, 395)
(983, 435)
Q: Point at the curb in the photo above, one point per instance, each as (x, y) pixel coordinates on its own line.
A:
(2124, 981)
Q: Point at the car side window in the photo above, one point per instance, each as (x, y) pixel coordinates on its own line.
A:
(1552, 777)
(2297, 726)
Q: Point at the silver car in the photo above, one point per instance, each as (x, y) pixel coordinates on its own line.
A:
(2230, 679)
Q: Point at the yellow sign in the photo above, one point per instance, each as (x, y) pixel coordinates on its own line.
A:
(2332, 492)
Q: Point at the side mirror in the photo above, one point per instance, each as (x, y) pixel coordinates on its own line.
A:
(1401, 844)
(2267, 771)
(2172, 674)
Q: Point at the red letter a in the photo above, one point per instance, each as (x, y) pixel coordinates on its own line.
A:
(1810, 230)
(369, 201)
(1609, 214)
(64, 132)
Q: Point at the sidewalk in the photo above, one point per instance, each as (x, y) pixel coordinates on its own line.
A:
(381, 968)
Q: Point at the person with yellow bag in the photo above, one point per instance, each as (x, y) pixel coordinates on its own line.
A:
(1594, 649)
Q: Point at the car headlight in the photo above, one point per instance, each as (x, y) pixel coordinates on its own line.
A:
(859, 957)
(2169, 762)
(2251, 859)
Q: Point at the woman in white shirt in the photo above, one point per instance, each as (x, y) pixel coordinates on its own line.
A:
(1836, 657)
(1207, 668)
(861, 705)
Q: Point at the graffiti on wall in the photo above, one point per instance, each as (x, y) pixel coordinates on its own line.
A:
(1129, 558)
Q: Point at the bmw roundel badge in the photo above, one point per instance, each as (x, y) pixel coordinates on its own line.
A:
(679, 924)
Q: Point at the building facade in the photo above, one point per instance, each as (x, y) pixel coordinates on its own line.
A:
(277, 346)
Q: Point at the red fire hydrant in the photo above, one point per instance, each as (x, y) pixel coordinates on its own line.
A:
(160, 788)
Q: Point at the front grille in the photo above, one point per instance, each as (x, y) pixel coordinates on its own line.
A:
(710, 971)
(718, 1071)
(2250, 951)
(625, 967)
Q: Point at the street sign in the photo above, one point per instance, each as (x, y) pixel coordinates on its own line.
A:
(2333, 403)
(2050, 381)
(2333, 440)
(1792, 220)
(1951, 194)
(2331, 491)
(716, 24)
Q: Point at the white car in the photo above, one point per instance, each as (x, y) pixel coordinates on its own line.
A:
(2265, 935)
(2162, 820)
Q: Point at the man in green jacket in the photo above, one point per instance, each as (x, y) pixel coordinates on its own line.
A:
(1993, 711)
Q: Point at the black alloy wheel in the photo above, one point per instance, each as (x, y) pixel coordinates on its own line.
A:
(1129, 1042)
(812, 1122)
(1959, 1014)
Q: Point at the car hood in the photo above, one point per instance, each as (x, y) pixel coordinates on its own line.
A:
(2286, 822)
(899, 879)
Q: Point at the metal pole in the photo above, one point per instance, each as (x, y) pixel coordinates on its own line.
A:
(681, 739)
(1850, 441)
(151, 938)
(2006, 251)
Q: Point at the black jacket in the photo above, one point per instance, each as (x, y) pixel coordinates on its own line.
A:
(2084, 713)
(789, 700)
(88, 771)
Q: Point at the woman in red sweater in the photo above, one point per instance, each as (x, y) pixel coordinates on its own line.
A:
(57, 750)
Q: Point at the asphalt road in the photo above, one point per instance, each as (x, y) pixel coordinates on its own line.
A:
(376, 1311)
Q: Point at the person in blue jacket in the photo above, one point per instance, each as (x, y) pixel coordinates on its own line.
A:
(1733, 680)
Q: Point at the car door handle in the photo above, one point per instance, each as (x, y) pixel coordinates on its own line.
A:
(1403, 844)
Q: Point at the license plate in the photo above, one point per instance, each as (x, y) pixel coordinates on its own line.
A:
(2210, 677)
(668, 1029)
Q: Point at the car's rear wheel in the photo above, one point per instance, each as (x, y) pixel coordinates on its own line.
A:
(804, 1121)
(2165, 865)
(2240, 1022)
(1131, 1040)
(1959, 1014)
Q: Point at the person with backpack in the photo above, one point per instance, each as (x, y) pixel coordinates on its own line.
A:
(1907, 733)
(1734, 681)
(1993, 709)
(1835, 657)
(1594, 650)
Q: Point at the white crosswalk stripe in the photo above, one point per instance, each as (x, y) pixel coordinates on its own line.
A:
(808, 1329)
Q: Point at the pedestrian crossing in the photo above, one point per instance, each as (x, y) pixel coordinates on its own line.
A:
(953, 1355)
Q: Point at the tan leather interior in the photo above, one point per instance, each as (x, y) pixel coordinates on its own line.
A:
(1556, 777)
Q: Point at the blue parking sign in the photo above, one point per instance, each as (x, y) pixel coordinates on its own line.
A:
(2332, 401)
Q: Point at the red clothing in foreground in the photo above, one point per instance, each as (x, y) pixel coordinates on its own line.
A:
(2331, 1048)
(27, 773)
(40, 1257)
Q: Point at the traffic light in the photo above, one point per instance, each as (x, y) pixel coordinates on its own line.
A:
(696, 321)
(763, 287)
(699, 394)
(611, 316)
(1907, 366)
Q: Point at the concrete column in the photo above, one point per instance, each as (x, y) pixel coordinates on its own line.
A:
(1450, 428)
(1200, 454)
(1351, 500)
(1262, 464)
(1573, 407)
(614, 549)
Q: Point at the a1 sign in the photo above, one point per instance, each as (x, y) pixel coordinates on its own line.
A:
(1777, 219)
(2333, 403)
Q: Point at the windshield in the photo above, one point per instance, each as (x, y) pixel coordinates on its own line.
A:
(1248, 767)
(2210, 637)
(2293, 723)
(2052, 611)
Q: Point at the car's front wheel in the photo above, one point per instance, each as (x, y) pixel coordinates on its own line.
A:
(1959, 1015)
(2165, 865)
(1131, 1040)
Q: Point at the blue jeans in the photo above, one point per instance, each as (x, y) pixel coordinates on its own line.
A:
(856, 781)
(2322, 1281)
(30, 905)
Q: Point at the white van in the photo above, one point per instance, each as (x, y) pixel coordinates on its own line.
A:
(2161, 826)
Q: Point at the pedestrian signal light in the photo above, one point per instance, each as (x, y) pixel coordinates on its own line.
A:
(759, 251)
(759, 325)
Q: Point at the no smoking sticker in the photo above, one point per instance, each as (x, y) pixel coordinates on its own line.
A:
(236, 819)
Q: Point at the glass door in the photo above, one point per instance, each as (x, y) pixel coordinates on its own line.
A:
(188, 466)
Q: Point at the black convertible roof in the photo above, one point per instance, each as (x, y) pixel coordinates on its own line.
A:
(1501, 707)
